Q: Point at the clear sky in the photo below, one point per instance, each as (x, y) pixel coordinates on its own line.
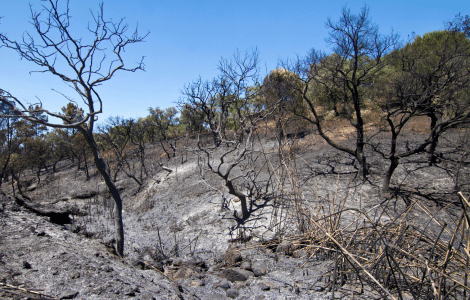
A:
(188, 38)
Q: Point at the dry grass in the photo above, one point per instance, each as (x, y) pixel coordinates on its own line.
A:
(414, 252)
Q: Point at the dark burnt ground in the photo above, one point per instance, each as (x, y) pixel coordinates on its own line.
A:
(180, 215)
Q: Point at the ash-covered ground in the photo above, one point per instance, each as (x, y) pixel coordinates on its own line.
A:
(183, 237)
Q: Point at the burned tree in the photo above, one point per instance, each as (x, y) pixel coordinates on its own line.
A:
(124, 140)
(84, 64)
(227, 117)
(429, 78)
(358, 55)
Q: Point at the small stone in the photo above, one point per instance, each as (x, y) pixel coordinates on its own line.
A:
(196, 283)
(235, 274)
(300, 253)
(224, 284)
(241, 284)
(131, 291)
(26, 264)
(153, 265)
(183, 273)
(232, 257)
(177, 262)
(264, 287)
(319, 288)
(138, 264)
(75, 275)
(260, 297)
(147, 296)
(232, 293)
(259, 268)
(246, 265)
(107, 269)
(214, 297)
(285, 248)
(68, 294)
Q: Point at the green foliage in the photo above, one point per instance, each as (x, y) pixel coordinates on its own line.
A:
(460, 24)
(434, 49)
(432, 75)
(165, 122)
(281, 91)
(73, 112)
(191, 119)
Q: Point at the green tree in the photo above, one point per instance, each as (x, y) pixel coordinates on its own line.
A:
(9, 143)
(78, 145)
(165, 125)
(281, 96)
(460, 24)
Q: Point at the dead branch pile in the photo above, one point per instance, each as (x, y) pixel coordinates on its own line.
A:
(400, 257)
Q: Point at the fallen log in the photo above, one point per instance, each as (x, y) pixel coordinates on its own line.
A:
(56, 215)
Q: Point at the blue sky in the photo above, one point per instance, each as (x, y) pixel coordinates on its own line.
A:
(188, 38)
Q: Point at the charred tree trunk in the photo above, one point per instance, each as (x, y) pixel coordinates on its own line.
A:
(239, 195)
(432, 159)
(78, 163)
(101, 166)
(86, 165)
(388, 175)
(38, 175)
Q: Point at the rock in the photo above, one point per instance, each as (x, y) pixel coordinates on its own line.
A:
(224, 284)
(68, 294)
(235, 274)
(107, 269)
(84, 195)
(232, 293)
(260, 297)
(146, 296)
(75, 275)
(153, 265)
(232, 257)
(183, 273)
(264, 287)
(300, 253)
(196, 283)
(241, 284)
(131, 291)
(138, 264)
(259, 268)
(285, 248)
(26, 264)
(215, 297)
(246, 265)
(178, 262)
